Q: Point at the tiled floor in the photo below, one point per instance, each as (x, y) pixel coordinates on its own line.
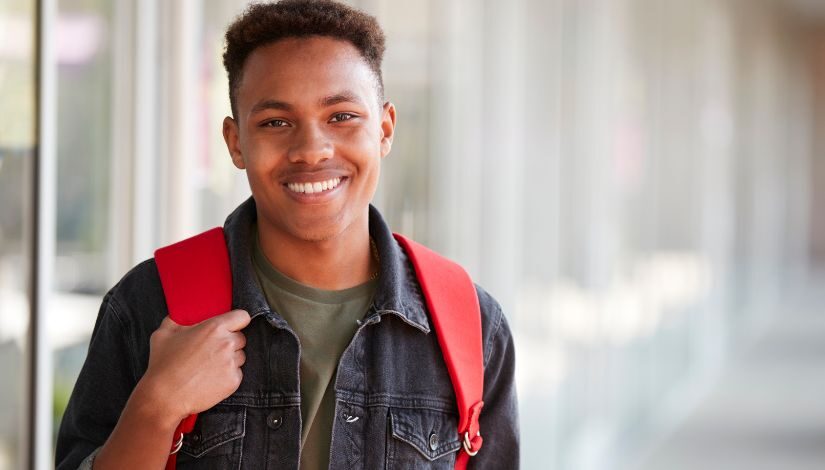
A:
(768, 410)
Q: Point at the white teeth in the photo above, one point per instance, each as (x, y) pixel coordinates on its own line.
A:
(315, 187)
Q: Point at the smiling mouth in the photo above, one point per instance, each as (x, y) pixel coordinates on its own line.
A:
(315, 186)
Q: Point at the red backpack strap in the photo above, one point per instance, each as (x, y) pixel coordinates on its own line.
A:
(197, 283)
(453, 304)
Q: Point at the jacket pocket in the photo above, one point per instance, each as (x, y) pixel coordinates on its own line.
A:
(217, 439)
(422, 439)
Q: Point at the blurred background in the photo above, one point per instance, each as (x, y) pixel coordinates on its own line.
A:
(641, 183)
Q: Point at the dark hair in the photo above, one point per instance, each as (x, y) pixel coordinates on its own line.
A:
(264, 23)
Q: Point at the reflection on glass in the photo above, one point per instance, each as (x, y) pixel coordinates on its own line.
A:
(17, 140)
(84, 60)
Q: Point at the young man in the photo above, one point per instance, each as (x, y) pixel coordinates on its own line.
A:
(329, 358)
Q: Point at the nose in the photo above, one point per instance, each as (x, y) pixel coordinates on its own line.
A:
(311, 146)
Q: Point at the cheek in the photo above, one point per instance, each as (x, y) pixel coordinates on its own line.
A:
(260, 172)
(366, 143)
(261, 153)
(371, 172)
(253, 165)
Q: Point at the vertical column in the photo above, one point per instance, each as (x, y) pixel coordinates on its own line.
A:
(502, 186)
(144, 163)
(799, 142)
(180, 112)
(43, 242)
(816, 178)
(121, 256)
(457, 139)
(716, 181)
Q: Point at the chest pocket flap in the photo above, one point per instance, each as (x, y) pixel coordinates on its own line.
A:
(214, 428)
(432, 433)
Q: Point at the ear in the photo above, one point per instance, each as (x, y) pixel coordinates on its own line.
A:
(387, 128)
(233, 142)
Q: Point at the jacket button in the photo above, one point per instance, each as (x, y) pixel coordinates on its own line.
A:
(196, 437)
(433, 441)
(274, 420)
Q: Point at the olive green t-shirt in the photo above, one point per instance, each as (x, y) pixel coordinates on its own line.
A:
(325, 322)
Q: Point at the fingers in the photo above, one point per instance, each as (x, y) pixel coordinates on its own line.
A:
(240, 357)
(234, 320)
(167, 323)
(238, 340)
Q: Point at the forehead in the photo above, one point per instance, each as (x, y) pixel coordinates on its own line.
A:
(298, 70)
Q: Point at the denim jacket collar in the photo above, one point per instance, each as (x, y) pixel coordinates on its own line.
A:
(398, 291)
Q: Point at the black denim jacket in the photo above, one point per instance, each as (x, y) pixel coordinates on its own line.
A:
(395, 406)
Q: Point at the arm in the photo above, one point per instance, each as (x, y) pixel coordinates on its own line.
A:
(142, 436)
(499, 417)
(103, 386)
(190, 370)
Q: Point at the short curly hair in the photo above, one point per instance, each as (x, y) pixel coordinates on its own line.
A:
(264, 23)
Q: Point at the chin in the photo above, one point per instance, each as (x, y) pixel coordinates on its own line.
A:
(318, 234)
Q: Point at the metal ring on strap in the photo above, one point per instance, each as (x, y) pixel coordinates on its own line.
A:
(468, 446)
(176, 447)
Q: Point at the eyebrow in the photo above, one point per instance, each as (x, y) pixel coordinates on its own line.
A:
(327, 101)
(342, 97)
(270, 104)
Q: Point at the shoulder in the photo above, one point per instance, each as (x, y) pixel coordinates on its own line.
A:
(494, 327)
(137, 300)
(131, 310)
(140, 288)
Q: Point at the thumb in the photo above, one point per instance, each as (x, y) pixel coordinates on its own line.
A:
(167, 323)
(234, 320)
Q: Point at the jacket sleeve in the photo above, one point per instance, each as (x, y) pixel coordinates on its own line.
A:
(103, 386)
(499, 416)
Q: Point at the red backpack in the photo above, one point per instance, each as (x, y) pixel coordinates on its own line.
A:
(197, 283)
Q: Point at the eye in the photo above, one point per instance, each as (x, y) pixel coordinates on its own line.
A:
(340, 117)
(276, 123)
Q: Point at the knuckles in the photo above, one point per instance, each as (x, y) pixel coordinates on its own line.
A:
(241, 358)
(226, 345)
(156, 336)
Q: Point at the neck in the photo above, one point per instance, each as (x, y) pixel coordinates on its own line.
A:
(337, 263)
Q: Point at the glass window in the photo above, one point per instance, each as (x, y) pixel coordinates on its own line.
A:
(84, 115)
(17, 145)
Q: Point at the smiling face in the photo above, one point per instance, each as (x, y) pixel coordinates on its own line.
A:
(311, 133)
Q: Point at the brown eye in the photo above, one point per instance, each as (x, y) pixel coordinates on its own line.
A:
(339, 117)
(276, 123)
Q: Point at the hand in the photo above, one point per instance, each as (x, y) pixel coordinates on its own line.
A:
(192, 368)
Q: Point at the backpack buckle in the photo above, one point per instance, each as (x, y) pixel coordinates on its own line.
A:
(468, 445)
(177, 445)
(473, 444)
